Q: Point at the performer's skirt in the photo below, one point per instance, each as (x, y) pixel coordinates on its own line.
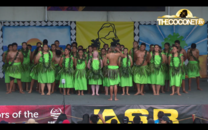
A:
(193, 69)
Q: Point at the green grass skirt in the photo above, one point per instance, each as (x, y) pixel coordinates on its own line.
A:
(80, 79)
(112, 73)
(175, 80)
(26, 73)
(193, 69)
(15, 70)
(140, 74)
(95, 79)
(157, 76)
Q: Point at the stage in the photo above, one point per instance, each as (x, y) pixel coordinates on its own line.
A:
(193, 97)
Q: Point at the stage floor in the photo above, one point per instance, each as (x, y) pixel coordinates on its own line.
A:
(193, 97)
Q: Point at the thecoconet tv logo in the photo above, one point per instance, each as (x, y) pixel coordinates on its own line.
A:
(55, 114)
(182, 17)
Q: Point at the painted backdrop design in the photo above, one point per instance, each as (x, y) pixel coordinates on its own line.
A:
(32, 35)
(154, 34)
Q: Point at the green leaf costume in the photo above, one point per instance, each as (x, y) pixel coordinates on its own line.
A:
(157, 70)
(46, 68)
(175, 71)
(193, 67)
(95, 74)
(67, 73)
(105, 79)
(80, 80)
(26, 66)
(126, 73)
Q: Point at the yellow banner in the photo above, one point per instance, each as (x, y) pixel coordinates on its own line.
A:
(105, 31)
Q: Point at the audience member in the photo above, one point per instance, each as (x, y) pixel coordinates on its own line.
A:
(94, 119)
(165, 120)
(66, 122)
(159, 115)
(61, 117)
(3, 122)
(114, 121)
(85, 119)
(197, 121)
(31, 121)
(137, 120)
(150, 120)
(125, 120)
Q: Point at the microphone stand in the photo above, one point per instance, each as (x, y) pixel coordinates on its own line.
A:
(63, 82)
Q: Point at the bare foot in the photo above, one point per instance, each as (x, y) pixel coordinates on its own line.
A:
(137, 93)
(110, 99)
(93, 94)
(154, 94)
(123, 94)
(171, 94)
(97, 94)
(30, 91)
(189, 89)
(42, 93)
(116, 99)
(82, 94)
(158, 94)
(21, 92)
(52, 92)
(8, 92)
(127, 94)
(179, 94)
(184, 91)
(48, 94)
(68, 94)
(78, 94)
(142, 94)
(199, 89)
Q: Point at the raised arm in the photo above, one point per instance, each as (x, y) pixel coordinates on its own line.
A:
(37, 57)
(88, 65)
(169, 60)
(101, 62)
(119, 61)
(21, 57)
(60, 62)
(197, 53)
(131, 60)
(4, 57)
(184, 55)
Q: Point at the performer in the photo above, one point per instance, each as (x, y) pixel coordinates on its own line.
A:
(106, 83)
(141, 70)
(95, 74)
(74, 52)
(122, 48)
(175, 69)
(37, 45)
(74, 44)
(68, 46)
(112, 72)
(67, 71)
(182, 51)
(15, 59)
(125, 65)
(80, 47)
(166, 51)
(25, 78)
(151, 49)
(89, 56)
(34, 71)
(57, 43)
(193, 65)
(53, 48)
(132, 52)
(6, 74)
(46, 74)
(103, 54)
(57, 58)
(29, 47)
(106, 47)
(80, 81)
(156, 69)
